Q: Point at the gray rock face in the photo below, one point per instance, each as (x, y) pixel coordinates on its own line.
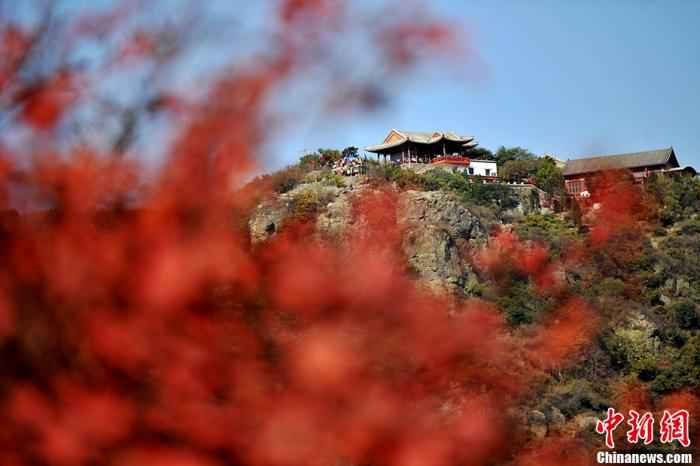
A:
(537, 424)
(585, 422)
(528, 199)
(438, 229)
(556, 418)
(536, 417)
(439, 208)
(540, 424)
(335, 220)
(266, 220)
(270, 215)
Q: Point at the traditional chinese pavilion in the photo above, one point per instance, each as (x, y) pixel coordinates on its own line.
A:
(418, 147)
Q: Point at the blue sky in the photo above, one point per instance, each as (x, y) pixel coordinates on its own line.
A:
(571, 78)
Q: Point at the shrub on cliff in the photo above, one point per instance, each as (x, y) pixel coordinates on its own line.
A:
(678, 198)
(393, 173)
(685, 314)
(682, 369)
(471, 190)
(547, 228)
(521, 304)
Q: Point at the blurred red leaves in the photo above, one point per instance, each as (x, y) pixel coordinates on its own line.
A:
(566, 332)
(45, 102)
(76, 426)
(96, 25)
(406, 42)
(162, 456)
(555, 451)
(139, 327)
(633, 396)
(14, 46)
(506, 254)
(320, 368)
(620, 204)
(141, 44)
(293, 10)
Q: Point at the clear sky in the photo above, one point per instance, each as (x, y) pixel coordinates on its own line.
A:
(571, 78)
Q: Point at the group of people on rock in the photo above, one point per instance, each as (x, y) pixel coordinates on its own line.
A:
(348, 166)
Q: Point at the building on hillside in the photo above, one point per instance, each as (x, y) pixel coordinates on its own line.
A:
(486, 169)
(580, 173)
(437, 148)
(483, 168)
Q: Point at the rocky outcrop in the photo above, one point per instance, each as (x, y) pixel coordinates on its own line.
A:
(267, 220)
(438, 229)
(530, 199)
(336, 218)
(537, 423)
(270, 216)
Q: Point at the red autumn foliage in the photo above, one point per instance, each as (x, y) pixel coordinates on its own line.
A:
(621, 204)
(163, 322)
(139, 327)
(140, 45)
(44, 103)
(406, 42)
(14, 45)
(291, 10)
(566, 332)
(633, 396)
(506, 254)
(558, 451)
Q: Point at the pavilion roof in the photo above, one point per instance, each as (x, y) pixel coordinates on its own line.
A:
(396, 138)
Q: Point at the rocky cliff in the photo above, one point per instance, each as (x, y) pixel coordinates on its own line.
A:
(438, 229)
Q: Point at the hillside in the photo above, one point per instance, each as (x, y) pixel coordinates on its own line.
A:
(635, 262)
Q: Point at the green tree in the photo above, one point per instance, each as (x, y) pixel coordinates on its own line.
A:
(678, 198)
(329, 156)
(488, 194)
(518, 170)
(686, 315)
(310, 161)
(505, 154)
(480, 153)
(350, 151)
(471, 191)
(549, 177)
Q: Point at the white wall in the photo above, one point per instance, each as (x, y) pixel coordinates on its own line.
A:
(476, 167)
(483, 168)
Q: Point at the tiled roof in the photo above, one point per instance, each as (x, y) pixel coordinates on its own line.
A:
(620, 161)
(423, 138)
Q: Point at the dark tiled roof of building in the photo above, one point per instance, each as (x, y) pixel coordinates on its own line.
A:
(620, 161)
